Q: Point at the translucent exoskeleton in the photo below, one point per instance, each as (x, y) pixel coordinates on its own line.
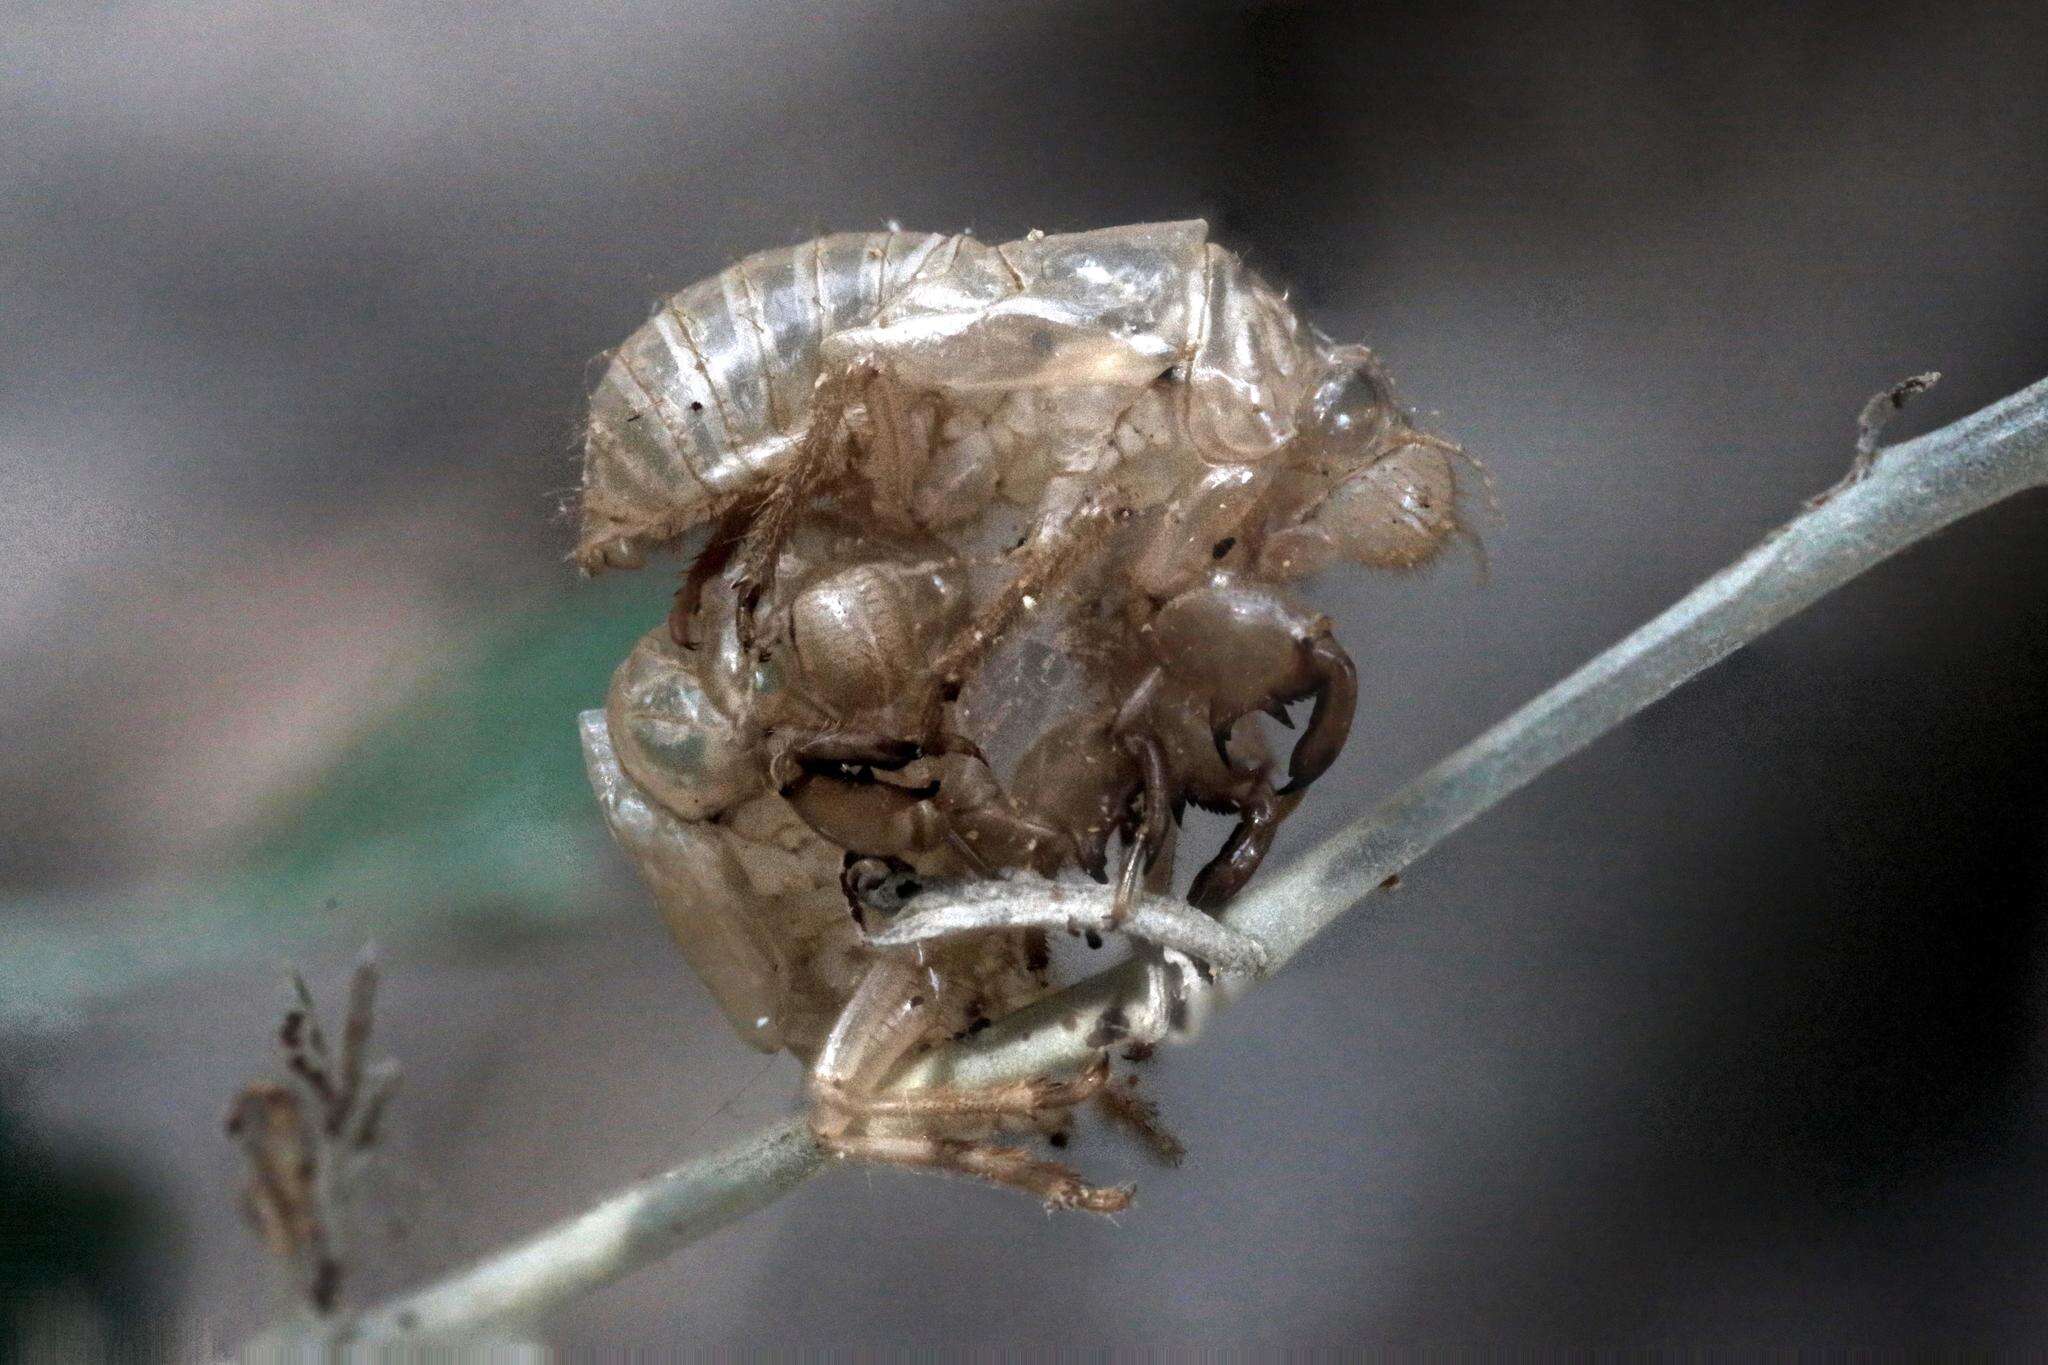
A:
(911, 460)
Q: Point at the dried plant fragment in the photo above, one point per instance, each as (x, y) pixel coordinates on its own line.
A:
(308, 1140)
(1139, 1116)
(1877, 414)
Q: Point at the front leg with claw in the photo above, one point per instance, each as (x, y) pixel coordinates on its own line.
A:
(1246, 647)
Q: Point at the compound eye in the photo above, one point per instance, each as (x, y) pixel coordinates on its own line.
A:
(1352, 410)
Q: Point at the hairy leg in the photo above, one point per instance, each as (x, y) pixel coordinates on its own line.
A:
(1074, 517)
(1057, 1185)
(888, 1016)
(775, 517)
(1139, 1115)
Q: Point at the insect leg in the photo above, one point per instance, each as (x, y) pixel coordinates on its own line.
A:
(1259, 815)
(851, 749)
(1329, 724)
(1059, 1186)
(776, 516)
(1322, 670)
(1019, 1099)
(1156, 822)
(709, 563)
(1154, 825)
(890, 453)
(1139, 1115)
(1075, 515)
(888, 1016)
(984, 906)
(853, 809)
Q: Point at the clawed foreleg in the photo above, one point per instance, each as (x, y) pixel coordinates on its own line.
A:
(845, 750)
(1327, 675)
(1223, 876)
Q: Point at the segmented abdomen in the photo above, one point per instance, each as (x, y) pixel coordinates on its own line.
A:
(701, 404)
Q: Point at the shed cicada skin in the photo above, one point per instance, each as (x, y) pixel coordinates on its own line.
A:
(907, 461)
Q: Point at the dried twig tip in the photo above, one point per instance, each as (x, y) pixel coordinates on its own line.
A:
(1882, 407)
(307, 1140)
(1870, 424)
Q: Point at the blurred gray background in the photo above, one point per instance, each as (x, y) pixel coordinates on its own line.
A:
(1730, 1030)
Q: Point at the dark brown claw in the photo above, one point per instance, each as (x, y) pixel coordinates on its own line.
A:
(947, 742)
(1329, 725)
(1225, 874)
(1333, 682)
(1221, 722)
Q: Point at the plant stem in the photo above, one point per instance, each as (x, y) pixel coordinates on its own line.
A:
(1911, 491)
(639, 1224)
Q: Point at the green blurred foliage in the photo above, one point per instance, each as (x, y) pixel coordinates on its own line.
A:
(483, 755)
(464, 806)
